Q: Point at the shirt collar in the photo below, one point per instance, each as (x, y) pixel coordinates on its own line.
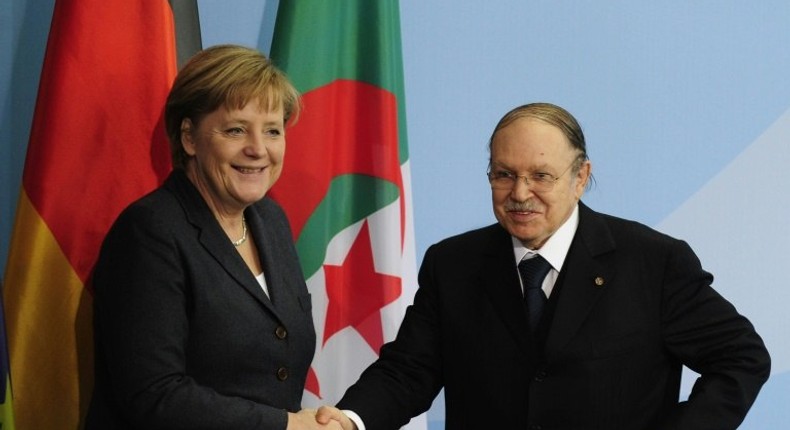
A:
(556, 248)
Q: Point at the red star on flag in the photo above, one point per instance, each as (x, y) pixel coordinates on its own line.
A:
(357, 293)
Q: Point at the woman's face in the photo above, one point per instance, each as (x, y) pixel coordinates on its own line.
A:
(236, 155)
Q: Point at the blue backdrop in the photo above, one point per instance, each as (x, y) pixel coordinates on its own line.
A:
(685, 105)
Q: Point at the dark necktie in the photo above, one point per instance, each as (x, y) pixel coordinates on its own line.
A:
(533, 271)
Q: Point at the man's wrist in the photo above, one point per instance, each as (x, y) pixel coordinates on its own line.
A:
(355, 419)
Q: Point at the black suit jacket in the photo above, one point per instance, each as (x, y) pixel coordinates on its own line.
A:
(185, 336)
(630, 307)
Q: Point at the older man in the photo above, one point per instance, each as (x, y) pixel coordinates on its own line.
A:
(559, 317)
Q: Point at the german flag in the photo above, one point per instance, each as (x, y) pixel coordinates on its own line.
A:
(97, 143)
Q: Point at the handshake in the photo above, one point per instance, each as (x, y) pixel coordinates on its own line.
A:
(325, 417)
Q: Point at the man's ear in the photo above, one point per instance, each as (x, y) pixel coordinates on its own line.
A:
(186, 137)
(583, 177)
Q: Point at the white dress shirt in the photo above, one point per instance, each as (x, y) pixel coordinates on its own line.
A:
(554, 250)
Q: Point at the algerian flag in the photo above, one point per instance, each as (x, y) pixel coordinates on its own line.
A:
(346, 185)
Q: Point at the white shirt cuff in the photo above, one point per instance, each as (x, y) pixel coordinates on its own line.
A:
(355, 418)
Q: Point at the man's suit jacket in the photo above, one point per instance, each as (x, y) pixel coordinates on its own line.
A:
(630, 306)
(185, 336)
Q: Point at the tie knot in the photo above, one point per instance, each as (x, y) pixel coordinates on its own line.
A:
(533, 270)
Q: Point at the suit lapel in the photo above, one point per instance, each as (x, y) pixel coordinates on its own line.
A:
(500, 281)
(583, 279)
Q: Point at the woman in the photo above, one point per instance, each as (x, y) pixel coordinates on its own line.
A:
(202, 316)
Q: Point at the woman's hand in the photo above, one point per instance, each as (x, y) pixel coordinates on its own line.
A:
(328, 414)
(306, 420)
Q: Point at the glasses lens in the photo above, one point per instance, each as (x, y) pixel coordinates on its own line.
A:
(536, 183)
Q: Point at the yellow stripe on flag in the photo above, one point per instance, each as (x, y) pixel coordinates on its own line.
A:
(51, 361)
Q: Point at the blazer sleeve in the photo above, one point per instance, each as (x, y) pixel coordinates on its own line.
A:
(142, 328)
(710, 337)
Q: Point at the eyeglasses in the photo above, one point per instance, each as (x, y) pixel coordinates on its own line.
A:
(539, 182)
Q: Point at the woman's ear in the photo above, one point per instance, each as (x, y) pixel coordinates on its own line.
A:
(186, 137)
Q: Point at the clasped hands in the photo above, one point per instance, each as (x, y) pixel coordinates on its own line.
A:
(324, 418)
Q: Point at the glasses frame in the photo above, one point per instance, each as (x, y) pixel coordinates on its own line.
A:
(543, 185)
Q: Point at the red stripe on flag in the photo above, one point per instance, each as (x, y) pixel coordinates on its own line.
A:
(97, 140)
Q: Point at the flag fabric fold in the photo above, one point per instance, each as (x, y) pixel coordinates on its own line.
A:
(346, 184)
(97, 142)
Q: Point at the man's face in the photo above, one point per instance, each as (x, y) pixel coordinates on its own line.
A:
(527, 147)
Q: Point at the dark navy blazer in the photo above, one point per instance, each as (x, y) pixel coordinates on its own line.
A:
(185, 338)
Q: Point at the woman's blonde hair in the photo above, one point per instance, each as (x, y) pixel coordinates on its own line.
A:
(229, 76)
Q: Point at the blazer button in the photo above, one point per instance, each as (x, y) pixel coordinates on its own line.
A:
(281, 332)
(540, 376)
(282, 373)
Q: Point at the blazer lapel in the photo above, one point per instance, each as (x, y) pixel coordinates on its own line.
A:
(213, 239)
(270, 251)
(583, 279)
(217, 244)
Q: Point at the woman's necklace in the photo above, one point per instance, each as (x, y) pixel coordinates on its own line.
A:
(243, 234)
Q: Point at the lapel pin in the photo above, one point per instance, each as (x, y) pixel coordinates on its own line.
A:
(598, 281)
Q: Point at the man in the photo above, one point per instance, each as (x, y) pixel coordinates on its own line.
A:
(598, 343)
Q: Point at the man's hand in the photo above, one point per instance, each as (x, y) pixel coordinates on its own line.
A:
(328, 414)
(306, 419)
